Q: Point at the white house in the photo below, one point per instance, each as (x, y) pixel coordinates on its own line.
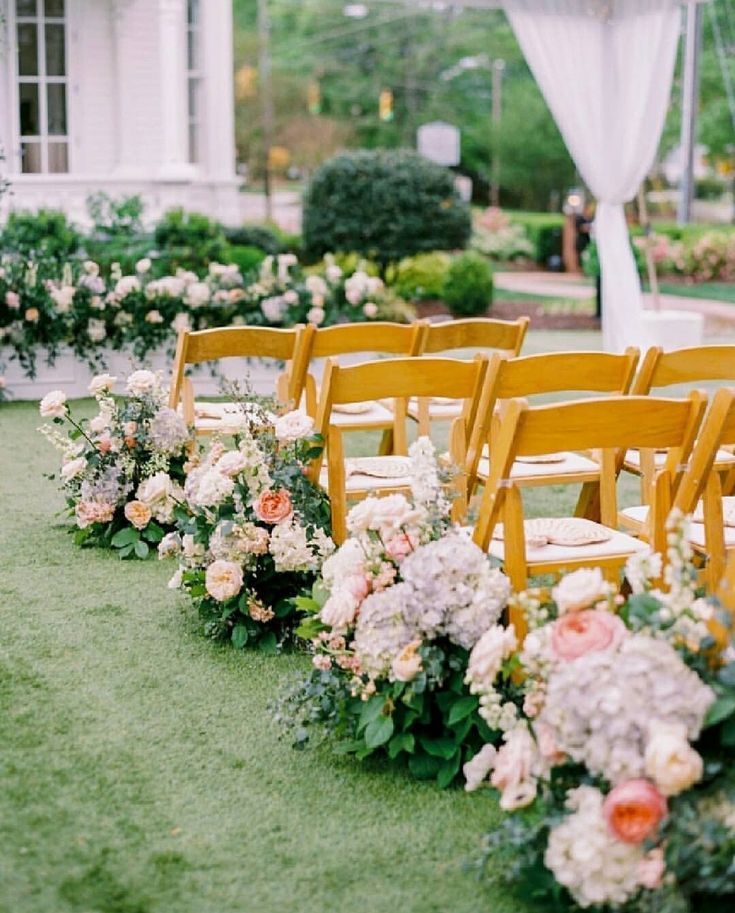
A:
(125, 96)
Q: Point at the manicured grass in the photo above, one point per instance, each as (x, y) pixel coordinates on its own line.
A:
(714, 291)
(141, 771)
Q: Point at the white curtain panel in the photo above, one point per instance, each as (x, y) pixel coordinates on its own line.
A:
(605, 68)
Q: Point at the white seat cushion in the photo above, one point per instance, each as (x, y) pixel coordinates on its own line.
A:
(377, 414)
(618, 544)
(572, 463)
(357, 481)
(633, 458)
(437, 410)
(640, 513)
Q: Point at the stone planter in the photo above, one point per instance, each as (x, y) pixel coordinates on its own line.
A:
(71, 375)
(671, 329)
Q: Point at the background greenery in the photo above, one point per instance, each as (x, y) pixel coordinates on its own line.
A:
(406, 49)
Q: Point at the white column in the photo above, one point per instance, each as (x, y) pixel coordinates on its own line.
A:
(218, 122)
(174, 157)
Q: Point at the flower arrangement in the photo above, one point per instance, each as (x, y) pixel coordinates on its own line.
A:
(122, 470)
(618, 766)
(255, 531)
(495, 236)
(44, 306)
(392, 619)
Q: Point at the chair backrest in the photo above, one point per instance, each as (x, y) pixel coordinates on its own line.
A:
(553, 372)
(684, 366)
(228, 342)
(403, 378)
(602, 424)
(382, 337)
(475, 333)
(718, 430)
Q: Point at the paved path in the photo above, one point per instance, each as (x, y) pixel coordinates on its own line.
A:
(562, 285)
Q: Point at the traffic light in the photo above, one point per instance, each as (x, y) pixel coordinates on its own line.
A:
(385, 105)
(314, 97)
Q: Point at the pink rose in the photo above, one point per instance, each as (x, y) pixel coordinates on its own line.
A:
(578, 633)
(12, 299)
(548, 749)
(400, 546)
(633, 810)
(651, 869)
(513, 770)
(358, 585)
(273, 506)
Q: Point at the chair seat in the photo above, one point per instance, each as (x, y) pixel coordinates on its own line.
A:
(376, 416)
(438, 411)
(723, 460)
(357, 481)
(571, 464)
(619, 545)
(637, 517)
(213, 418)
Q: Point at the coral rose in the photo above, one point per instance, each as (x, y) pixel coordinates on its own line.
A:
(633, 810)
(407, 663)
(578, 633)
(273, 506)
(138, 513)
(223, 580)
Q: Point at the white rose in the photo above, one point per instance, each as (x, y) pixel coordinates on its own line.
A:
(91, 268)
(126, 285)
(181, 322)
(316, 315)
(232, 463)
(670, 760)
(339, 610)
(273, 308)
(579, 590)
(143, 265)
(370, 309)
(316, 285)
(293, 426)
(476, 770)
(407, 664)
(73, 468)
(96, 329)
(53, 405)
(486, 658)
(141, 382)
(291, 296)
(333, 272)
(223, 580)
(197, 294)
(101, 383)
(154, 489)
(176, 581)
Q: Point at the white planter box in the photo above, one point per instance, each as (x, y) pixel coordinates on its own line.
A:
(73, 376)
(672, 329)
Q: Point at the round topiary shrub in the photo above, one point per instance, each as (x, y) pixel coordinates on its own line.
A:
(45, 234)
(385, 205)
(468, 288)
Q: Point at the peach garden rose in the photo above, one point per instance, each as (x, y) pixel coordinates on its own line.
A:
(273, 506)
(633, 810)
(138, 514)
(223, 580)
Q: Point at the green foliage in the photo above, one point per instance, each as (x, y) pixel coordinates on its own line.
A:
(245, 257)
(262, 237)
(44, 234)
(544, 230)
(189, 239)
(115, 218)
(385, 205)
(468, 287)
(421, 277)
(591, 259)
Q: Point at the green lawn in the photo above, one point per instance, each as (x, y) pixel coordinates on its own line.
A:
(141, 772)
(715, 291)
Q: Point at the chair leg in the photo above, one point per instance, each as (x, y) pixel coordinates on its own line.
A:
(387, 446)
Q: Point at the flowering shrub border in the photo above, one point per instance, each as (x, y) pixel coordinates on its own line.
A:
(43, 306)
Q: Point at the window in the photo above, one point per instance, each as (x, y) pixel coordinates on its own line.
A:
(42, 86)
(194, 78)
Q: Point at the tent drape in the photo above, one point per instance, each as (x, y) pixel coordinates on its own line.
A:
(605, 70)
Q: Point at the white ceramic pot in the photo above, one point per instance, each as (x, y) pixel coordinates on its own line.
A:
(672, 329)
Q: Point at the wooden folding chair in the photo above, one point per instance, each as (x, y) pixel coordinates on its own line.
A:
(194, 348)
(402, 378)
(699, 492)
(690, 366)
(382, 338)
(555, 372)
(478, 333)
(600, 424)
